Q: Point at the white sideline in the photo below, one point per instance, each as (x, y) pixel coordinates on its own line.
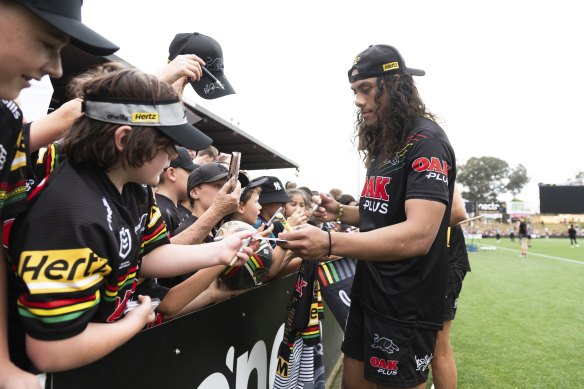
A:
(544, 256)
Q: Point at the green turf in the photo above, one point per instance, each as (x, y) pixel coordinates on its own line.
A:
(520, 322)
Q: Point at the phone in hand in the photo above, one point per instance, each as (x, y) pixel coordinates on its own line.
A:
(234, 165)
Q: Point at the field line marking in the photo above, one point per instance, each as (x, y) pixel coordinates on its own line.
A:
(545, 256)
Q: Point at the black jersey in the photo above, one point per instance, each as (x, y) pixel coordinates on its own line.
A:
(409, 291)
(458, 256)
(169, 213)
(13, 160)
(77, 252)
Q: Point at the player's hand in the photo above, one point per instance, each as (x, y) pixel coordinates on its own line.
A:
(307, 241)
(11, 377)
(328, 208)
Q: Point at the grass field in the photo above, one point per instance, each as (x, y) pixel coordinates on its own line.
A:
(520, 322)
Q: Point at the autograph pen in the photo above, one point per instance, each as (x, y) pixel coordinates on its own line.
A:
(208, 73)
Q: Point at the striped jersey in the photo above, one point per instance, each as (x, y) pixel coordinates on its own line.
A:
(77, 252)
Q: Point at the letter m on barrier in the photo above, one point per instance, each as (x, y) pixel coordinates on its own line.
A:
(282, 368)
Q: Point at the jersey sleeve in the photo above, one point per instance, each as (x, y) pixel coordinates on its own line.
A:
(62, 277)
(429, 169)
(155, 232)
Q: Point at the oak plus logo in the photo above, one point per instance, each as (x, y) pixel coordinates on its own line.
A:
(384, 366)
(436, 168)
(375, 193)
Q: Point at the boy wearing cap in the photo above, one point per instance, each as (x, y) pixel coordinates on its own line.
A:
(397, 296)
(94, 227)
(32, 34)
(172, 189)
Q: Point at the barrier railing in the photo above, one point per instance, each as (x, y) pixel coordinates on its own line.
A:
(230, 345)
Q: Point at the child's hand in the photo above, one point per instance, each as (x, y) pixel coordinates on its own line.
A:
(143, 311)
(237, 244)
(297, 218)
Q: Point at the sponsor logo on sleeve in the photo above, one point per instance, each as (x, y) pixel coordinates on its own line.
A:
(436, 168)
(60, 271)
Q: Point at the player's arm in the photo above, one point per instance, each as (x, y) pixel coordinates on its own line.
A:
(11, 377)
(410, 238)
(95, 342)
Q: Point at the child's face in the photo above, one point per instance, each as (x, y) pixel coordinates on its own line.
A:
(149, 173)
(297, 202)
(29, 49)
(251, 209)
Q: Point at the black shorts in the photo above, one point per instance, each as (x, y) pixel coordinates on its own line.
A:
(453, 287)
(392, 355)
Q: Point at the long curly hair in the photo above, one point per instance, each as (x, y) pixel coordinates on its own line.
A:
(394, 122)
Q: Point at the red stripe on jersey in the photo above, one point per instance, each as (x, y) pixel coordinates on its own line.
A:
(55, 304)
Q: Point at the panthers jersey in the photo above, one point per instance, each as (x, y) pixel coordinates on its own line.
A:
(409, 291)
(77, 252)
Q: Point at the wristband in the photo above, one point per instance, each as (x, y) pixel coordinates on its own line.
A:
(341, 210)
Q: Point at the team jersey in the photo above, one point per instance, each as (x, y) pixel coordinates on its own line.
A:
(172, 214)
(13, 160)
(77, 252)
(458, 257)
(409, 291)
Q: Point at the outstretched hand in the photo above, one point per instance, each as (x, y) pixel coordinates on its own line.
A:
(327, 210)
(239, 245)
(307, 241)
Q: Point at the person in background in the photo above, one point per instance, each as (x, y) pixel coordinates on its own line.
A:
(444, 373)
(335, 193)
(572, 235)
(207, 155)
(523, 238)
(32, 35)
(172, 189)
(397, 296)
(291, 185)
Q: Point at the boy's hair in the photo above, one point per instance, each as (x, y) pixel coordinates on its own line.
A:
(90, 143)
(211, 151)
(246, 194)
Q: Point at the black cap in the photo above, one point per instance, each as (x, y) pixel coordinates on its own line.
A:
(378, 60)
(209, 172)
(209, 50)
(252, 184)
(183, 160)
(65, 16)
(273, 191)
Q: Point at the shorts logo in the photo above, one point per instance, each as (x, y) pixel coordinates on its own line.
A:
(384, 344)
(384, 366)
(390, 66)
(125, 242)
(144, 117)
(422, 363)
